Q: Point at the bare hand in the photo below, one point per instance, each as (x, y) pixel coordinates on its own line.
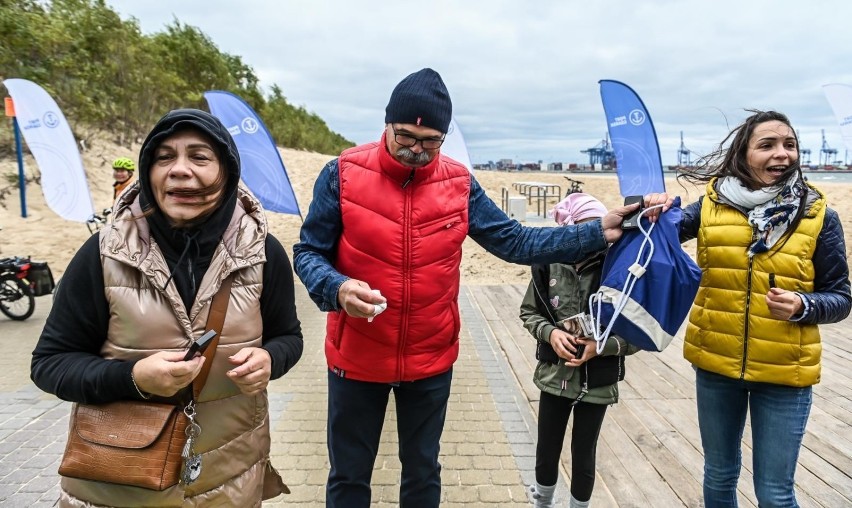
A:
(253, 369)
(654, 200)
(165, 373)
(563, 343)
(611, 222)
(588, 353)
(358, 299)
(784, 304)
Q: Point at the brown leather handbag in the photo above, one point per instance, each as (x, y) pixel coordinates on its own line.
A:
(136, 443)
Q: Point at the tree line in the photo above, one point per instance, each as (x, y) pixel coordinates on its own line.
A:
(106, 75)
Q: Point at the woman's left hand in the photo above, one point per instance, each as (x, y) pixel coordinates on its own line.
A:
(655, 199)
(253, 369)
(784, 304)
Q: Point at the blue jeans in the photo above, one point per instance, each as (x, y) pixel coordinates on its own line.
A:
(356, 413)
(778, 417)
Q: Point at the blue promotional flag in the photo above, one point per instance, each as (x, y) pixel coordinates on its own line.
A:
(262, 168)
(640, 168)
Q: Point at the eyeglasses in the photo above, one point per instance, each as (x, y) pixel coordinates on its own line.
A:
(407, 140)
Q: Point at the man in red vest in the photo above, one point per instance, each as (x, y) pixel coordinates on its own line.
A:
(380, 250)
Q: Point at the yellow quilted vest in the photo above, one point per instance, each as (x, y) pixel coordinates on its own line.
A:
(730, 331)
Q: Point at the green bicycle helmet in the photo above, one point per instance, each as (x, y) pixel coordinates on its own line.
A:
(124, 163)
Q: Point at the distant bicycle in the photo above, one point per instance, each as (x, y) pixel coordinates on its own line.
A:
(96, 222)
(575, 186)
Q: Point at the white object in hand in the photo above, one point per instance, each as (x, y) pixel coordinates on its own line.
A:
(378, 308)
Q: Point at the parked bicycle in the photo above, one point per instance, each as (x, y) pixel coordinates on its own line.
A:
(21, 280)
(575, 186)
(17, 300)
(96, 222)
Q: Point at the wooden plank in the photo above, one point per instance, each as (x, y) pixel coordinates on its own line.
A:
(686, 454)
(828, 481)
(650, 454)
(644, 432)
(644, 473)
(612, 473)
(509, 343)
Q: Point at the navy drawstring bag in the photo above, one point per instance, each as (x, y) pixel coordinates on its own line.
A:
(648, 284)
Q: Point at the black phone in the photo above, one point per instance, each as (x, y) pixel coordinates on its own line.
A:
(772, 279)
(200, 345)
(581, 348)
(632, 221)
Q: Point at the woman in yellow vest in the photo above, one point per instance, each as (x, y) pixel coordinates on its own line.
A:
(774, 267)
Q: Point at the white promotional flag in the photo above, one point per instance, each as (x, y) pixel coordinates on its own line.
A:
(455, 147)
(840, 100)
(49, 138)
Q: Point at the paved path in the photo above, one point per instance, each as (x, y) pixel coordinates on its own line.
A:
(487, 448)
(649, 453)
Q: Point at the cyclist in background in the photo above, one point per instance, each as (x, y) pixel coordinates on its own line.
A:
(122, 173)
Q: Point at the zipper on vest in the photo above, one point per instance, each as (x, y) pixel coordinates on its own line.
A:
(409, 179)
(406, 279)
(746, 314)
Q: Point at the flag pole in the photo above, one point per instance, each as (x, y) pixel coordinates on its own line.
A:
(22, 182)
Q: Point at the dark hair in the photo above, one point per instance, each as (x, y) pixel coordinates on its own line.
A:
(730, 158)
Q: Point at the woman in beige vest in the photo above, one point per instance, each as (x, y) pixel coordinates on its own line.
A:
(138, 294)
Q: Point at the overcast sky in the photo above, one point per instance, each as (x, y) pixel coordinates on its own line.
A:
(523, 75)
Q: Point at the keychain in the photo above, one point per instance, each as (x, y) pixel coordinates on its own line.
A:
(191, 460)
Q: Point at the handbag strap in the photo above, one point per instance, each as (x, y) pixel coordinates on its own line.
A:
(215, 320)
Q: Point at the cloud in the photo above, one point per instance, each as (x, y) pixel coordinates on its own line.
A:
(523, 75)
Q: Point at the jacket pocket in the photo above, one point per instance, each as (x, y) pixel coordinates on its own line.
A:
(336, 335)
(442, 224)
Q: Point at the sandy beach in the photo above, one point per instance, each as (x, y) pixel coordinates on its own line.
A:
(47, 237)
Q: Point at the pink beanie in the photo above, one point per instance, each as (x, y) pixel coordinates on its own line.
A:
(576, 207)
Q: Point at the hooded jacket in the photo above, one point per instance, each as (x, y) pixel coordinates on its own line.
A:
(557, 292)
(165, 277)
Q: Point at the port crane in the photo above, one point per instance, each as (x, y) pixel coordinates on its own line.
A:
(804, 153)
(683, 153)
(827, 155)
(602, 153)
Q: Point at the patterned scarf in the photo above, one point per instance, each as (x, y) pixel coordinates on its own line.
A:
(771, 209)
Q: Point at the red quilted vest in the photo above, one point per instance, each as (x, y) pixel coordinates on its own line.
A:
(405, 242)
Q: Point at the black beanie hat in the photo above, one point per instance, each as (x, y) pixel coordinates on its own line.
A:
(421, 99)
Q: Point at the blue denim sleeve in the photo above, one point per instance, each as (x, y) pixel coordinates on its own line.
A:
(510, 241)
(317, 247)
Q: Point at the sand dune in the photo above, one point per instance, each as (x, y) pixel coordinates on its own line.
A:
(45, 236)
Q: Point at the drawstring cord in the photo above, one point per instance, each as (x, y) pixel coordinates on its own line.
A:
(637, 270)
(190, 240)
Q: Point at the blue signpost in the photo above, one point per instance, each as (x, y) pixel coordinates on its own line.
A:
(22, 182)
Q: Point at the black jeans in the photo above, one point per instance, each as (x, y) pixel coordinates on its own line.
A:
(553, 413)
(356, 413)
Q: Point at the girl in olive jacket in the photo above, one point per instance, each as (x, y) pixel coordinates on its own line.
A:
(570, 373)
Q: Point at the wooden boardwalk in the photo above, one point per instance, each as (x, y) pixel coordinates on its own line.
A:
(649, 453)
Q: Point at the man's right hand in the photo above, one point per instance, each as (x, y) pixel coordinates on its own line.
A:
(358, 299)
(611, 222)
